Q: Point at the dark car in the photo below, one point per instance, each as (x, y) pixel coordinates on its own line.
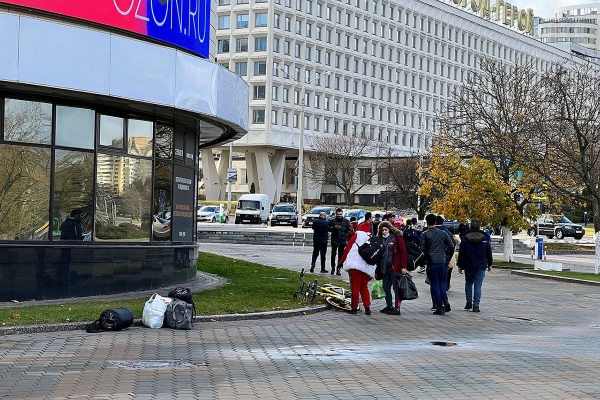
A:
(452, 225)
(309, 217)
(284, 214)
(556, 225)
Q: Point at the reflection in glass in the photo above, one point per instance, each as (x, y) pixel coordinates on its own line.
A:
(161, 220)
(164, 141)
(75, 127)
(27, 121)
(123, 192)
(111, 131)
(25, 194)
(73, 189)
(140, 137)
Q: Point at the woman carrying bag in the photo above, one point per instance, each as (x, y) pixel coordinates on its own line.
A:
(392, 264)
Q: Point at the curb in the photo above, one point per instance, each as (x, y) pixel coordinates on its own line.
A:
(555, 278)
(76, 326)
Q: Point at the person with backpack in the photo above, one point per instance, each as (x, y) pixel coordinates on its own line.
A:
(340, 231)
(360, 272)
(391, 265)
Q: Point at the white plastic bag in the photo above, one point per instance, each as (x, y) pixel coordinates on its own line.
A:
(154, 311)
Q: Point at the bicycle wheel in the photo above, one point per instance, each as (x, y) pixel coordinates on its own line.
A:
(338, 303)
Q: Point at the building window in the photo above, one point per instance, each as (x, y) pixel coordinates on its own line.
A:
(258, 116)
(241, 45)
(242, 21)
(259, 92)
(260, 44)
(260, 20)
(241, 68)
(223, 22)
(223, 46)
(260, 68)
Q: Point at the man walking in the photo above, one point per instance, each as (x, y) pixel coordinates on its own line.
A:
(340, 231)
(474, 257)
(435, 244)
(320, 228)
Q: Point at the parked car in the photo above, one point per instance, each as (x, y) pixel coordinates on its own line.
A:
(452, 225)
(284, 213)
(161, 228)
(210, 214)
(359, 213)
(308, 218)
(556, 225)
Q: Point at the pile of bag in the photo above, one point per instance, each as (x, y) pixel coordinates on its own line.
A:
(176, 311)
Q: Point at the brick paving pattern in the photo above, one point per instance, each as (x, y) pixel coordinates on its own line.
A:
(533, 339)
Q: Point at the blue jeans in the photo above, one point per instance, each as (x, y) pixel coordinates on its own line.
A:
(437, 279)
(474, 277)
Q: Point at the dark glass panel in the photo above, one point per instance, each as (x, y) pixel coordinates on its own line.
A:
(25, 194)
(27, 121)
(73, 189)
(140, 137)
(111, 131)
(75, 127)
(161, 220)
(164, 141)
(123, 193)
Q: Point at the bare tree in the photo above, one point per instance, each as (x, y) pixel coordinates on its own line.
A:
(336, 160)
(403, 184)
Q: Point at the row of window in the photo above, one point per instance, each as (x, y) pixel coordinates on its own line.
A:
(568, 30)
(242, 21)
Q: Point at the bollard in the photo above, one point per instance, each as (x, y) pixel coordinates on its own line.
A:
(539, 248)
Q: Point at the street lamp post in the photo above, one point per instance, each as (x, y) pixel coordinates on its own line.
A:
(300, 172)
(421, 149)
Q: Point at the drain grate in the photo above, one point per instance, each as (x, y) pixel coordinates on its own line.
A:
(155, 364)
(447, 344)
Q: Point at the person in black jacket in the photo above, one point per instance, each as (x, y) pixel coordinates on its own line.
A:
(71, 229)
(474, 257)
(320, 238)
(340, 231)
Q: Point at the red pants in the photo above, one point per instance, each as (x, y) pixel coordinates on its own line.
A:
(359, 281)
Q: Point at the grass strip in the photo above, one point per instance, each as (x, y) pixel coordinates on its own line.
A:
(570, 274)
(252, 288)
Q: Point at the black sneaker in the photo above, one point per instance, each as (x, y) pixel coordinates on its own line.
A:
(394, 311)
(447, 307)
(469, 305)
(475, 308)
(324, 271)
(368, 311)
(384, 310)
(353, 312)
(338, 273)
(439, 311)
(312, 268)
(332, 271)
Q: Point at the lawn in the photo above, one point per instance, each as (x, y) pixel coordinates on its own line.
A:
(251, 288)
(568, 274)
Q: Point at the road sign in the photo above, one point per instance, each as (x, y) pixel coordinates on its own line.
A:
(231, 174)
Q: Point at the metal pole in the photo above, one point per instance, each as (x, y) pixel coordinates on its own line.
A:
(421, 139)
(229, 183)
(299, 193)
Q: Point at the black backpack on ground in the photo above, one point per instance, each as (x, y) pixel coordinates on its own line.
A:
(414, 256)
(372, 250)
(178, 315)
(111, 320)
(184, 294)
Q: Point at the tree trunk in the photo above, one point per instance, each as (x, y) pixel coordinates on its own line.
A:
(596, 213)
(508, 244)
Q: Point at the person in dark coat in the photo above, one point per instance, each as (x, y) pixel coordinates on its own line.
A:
(340, 232)
(320, 228)
(71, 229)
(474, 257)
(439, 224)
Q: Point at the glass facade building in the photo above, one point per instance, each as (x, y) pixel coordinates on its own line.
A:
(100, 135)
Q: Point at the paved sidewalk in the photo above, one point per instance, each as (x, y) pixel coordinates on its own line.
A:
(533, 339)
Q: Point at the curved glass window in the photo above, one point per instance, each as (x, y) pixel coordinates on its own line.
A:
(75, 127)
(25, 194)
(111, 131)
(27, 121)
(140, 137)
(164, 141)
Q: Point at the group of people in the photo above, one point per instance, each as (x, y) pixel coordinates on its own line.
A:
(435, 241)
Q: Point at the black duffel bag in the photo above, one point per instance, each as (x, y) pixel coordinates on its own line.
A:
(112, 320)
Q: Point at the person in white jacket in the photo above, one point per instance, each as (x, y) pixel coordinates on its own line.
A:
(360, 272)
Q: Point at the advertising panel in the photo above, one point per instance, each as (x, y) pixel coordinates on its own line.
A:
(183, 23)
(182, 220)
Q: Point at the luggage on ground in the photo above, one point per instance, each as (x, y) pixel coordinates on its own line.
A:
(112, 320)
(178, 315)
(154, 311)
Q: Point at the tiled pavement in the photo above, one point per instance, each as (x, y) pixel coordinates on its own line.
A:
(533, 339)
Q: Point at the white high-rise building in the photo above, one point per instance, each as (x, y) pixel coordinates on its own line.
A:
(382, 67)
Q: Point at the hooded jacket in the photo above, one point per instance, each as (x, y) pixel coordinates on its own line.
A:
(475, 251)
(351, 259)
(398, 247)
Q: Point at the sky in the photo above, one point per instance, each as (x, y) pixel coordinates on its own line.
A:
(545, 8)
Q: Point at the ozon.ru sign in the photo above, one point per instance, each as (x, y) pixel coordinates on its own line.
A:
(501, 11)
(183, 23)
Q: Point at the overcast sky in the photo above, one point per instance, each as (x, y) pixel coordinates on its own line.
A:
(545, 8)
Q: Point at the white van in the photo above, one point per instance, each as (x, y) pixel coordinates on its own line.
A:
(252, 209)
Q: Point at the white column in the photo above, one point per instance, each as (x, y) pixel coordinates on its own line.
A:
(222, 171)
(212, 183)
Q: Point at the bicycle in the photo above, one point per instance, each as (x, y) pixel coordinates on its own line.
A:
(334, 296)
